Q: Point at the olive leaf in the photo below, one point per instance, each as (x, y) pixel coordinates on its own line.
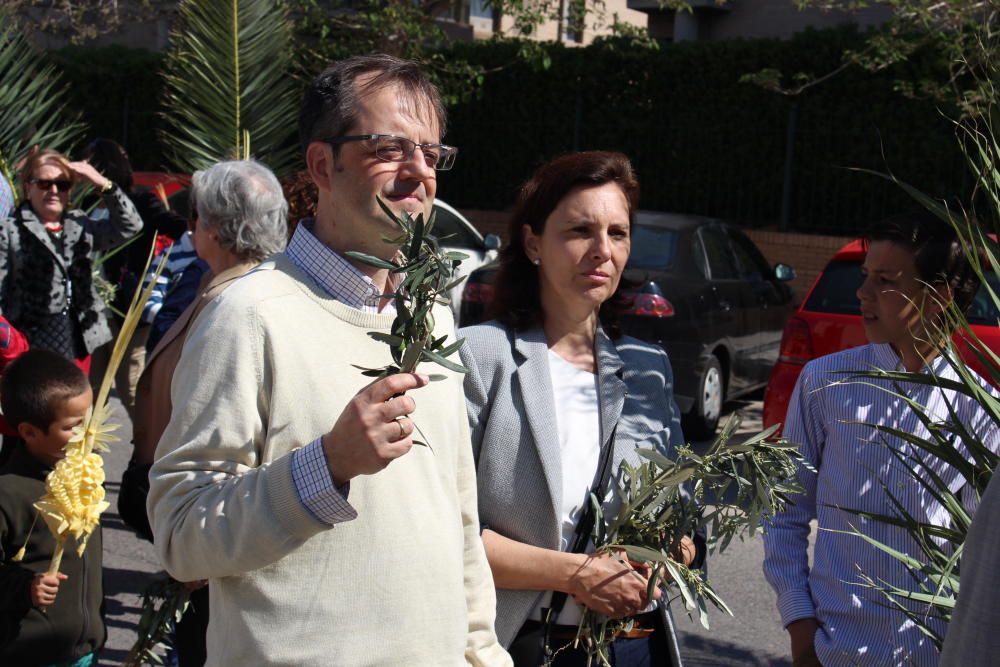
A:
(428, 274)
(655, 515)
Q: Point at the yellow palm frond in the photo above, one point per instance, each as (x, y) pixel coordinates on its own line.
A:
(74, 490)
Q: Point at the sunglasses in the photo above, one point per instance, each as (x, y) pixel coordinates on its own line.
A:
(62, 185)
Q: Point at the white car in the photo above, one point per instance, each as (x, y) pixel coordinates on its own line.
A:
(456, 233)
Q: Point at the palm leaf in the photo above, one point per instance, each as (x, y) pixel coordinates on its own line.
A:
(227, 81)
(33, 101)
(934, 567)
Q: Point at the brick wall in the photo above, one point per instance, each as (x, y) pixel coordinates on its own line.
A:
(489, 222)
(806, 253)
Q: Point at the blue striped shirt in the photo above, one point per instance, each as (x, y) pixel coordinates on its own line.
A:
(342, 281)
(826, 418)
(181, 254)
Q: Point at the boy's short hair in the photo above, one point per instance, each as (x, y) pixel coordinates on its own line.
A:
(35, 384)
(937, 252)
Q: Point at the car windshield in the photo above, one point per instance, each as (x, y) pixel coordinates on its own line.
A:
(653, 247)
(836, 292)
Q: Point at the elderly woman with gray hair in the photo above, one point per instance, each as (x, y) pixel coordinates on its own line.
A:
(239, 218)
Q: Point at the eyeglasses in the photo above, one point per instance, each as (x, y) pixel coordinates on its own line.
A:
(62, 185)
(390, 148)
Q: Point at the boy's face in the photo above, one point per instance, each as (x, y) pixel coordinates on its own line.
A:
(49, 446)
(895, 305)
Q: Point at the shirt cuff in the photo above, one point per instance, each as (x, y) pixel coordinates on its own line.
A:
(315, 488)
(794, 605)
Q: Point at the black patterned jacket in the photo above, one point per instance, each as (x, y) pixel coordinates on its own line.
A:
(37, 281)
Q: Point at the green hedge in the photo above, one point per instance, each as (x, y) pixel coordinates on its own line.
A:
(117, 90)
(702, 142)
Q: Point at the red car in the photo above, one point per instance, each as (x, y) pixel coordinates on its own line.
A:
(829, 320)
(172, 189)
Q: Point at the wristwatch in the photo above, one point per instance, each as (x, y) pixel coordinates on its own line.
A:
(107, 187)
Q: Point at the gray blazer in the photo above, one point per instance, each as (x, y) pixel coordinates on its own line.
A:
(37, 280)
(515, 440)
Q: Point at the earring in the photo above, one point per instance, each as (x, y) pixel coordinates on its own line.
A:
(536, 261)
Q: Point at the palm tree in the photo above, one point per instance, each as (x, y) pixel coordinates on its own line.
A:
(227, 80)
(33, 100)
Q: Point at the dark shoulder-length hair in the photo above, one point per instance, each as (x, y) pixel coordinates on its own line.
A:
(517, 301)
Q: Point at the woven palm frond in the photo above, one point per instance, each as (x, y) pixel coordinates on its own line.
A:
(74, 490)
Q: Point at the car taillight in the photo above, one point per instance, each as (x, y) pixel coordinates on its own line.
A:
(477, 293)
(796, 342)
(650, 305)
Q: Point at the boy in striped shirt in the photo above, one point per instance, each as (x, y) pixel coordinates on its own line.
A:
(914, 265)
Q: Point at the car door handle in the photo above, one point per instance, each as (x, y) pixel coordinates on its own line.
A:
(722, 303)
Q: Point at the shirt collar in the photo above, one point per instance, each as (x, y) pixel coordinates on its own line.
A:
(332, 273)
(889, 360)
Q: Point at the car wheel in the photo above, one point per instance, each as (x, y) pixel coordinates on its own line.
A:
(703, 419)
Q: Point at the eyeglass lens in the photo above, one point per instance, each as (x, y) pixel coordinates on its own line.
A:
(399, 149)
(47, 183)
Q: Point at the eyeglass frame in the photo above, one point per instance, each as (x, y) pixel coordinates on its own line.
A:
(447, 151)
(62, 184)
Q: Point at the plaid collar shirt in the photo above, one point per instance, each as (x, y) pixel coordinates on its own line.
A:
(333, 273)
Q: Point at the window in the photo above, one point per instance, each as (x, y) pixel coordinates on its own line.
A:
(479, 9)
(574, 17)
(836, 291)
(653, 247)
(721, 260)
(753, 266)
(983, 309)
(453, 232)
(698, 254)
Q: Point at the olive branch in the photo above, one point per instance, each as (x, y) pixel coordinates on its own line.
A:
(428, 274)
(733, 491)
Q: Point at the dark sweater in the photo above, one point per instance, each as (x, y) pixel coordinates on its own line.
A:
(73, 626)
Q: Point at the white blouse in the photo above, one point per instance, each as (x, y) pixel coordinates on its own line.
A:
(578, 421)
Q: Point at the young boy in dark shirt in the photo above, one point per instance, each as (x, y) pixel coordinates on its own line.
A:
(44, 620)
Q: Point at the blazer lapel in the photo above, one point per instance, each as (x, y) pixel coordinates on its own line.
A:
(611, 391)
(36, 228)
(536, 391)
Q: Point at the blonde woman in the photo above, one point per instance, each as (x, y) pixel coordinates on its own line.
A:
(47, 256)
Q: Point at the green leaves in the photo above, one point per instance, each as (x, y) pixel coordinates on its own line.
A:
(734, 488)
(427, 275)
(33, 102)
(163, 603)
(949, 439)
(227, 77)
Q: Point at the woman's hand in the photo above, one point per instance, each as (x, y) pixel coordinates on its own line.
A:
(685, 552)
(609, 585)
(84, 171)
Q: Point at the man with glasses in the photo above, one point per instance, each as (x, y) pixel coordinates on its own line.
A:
(287, 480)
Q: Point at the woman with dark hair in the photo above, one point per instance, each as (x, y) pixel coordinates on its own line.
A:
(110, 158)
(124, 269)
(558, 400)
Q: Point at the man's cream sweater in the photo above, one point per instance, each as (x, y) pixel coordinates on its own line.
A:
(268, 367)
